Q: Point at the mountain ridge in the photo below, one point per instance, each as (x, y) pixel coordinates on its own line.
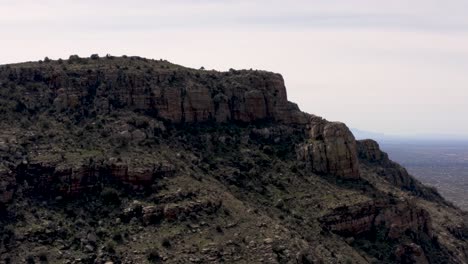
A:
(215, 166)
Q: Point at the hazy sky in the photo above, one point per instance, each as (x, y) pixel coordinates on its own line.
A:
(398, 67)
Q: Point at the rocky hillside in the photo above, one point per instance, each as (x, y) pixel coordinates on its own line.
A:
(130, 160)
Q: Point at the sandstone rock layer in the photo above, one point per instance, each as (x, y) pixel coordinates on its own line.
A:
(175, 94)
(331, 149)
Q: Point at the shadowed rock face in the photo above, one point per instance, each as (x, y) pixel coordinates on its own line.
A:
(392, 222)
(331, 149)
(57, 179)
(369, 150)
(410, 253)
(370, 155)
(396, 218)
(176, 95)
(181, 95)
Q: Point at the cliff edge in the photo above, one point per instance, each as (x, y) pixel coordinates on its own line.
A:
(132, 160)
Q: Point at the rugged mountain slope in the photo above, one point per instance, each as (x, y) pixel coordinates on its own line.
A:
(132, 160)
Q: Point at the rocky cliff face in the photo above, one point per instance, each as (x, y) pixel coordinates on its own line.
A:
(396, 219)
(181, 95)
(370, 154)
(133, 161)
(403, 224)
(330, 149)
(175, 94)
(58, 179)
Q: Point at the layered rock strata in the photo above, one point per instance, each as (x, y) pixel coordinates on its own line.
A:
(174, 94)
(331, 149)
(55, 179)
(397, 218)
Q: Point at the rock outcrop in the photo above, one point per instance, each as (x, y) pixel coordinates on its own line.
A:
(58, 179)
(397, 218)
(369, 150)
(410, 253)
(175, 94)
(331, 149)
(104, 159)
(370, 154)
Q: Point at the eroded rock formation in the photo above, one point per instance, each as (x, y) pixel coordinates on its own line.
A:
(397, 218)
(374, 158)
(147, 148)
(331, 149)
(59, 179)
(177, 95)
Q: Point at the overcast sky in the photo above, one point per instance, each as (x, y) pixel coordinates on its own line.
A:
(397, 67)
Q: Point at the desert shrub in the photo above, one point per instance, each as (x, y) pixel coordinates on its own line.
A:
(8, 234)
(117, 237)
(110, 196)
(166, 242)
(95, 57)
(74, 59)
(44, 124)
(153, 256)
(42, 255)
(110, 246)
(30, 259)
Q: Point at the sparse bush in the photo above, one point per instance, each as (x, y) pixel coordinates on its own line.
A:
(44, 124)
(95, 57)
(110, 196)
(46, 59)
(30, 259)
(166, 242)
(110, 246)
(8, 234)
(42, 255)
(74, 59)
(117, 236)
(153, 256)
